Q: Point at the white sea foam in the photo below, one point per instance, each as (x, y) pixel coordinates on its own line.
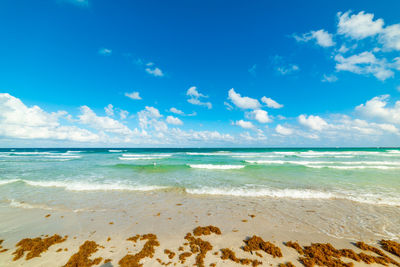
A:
(116, 151)
(87, 186)
(64, 156)
(4, 182)
(261, 192)
(32, 153)
(216, 167)
(146, 155)
(334, 164)
(138, 158)
(23, 205)
(373, 199)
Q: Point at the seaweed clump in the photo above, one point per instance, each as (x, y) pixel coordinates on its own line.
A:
(286, 264)
(391, 246)
(197, 245)
(35, 246)
(257, 243)
(81, 258)
(147, 251)
(206, 230)
(1, 247)
(170, 253)
(228, 254)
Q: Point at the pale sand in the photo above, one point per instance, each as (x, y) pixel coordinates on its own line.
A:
(275, 220)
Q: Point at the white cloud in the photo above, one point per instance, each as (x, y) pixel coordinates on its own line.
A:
(106, 124)
(157, 72)
(123, 114)
(195, 97)
(313, 122)
(244, 124)
(228, 106)
(109, 110)
(321, 37)
(174, 120)
(390, 37)
(364, 63)
(176, 111)
(271, 103)
(21, 122)
(359, 26)
(105, 52)
(259, 115)
(283, 130)
(243, 102)
(284, 70)
(133, 95)
(376, 108)
(329, 78)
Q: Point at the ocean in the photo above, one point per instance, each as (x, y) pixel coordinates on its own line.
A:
(362, 175)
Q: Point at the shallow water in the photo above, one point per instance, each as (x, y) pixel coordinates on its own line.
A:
(363, 175)
(345, 193)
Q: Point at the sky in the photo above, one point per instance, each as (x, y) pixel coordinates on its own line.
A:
(187, 73)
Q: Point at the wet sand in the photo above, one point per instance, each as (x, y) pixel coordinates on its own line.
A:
(119, 225)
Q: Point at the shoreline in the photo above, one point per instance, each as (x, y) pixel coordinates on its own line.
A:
(170, 216)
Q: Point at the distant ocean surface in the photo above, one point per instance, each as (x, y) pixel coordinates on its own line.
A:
(369, 176)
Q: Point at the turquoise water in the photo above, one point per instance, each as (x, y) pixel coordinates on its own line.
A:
(362, 175)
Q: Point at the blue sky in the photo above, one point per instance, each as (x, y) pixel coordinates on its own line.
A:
(199, 73)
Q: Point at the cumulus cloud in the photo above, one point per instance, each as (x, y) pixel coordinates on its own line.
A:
(390, 37)
(243, 102)
(313, 122)
(133, 95)
(173, 120)
(21, 122)
(321, 37)
(283, 130)
(271, 103)
(259, 115)
(244, 124)
(157, 72)
(329, 78)
(364, 63)
(195, 96)
(359, 26)
(106, 124)
(176, 111)
(376, 108)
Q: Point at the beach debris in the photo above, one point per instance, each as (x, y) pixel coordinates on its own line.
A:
(133, 238)
(35, 246)
(391, 246)
(170, 253)
(228, 254)
(384, 259)
(296, 246)
(326, 255)
(146, 252)
(200, 246)
(47, 216)
(81, 258)
(183, 256)
(257, 243)
(286, 264)
(206, 230)
(1, 247)
(107, 260)
(111, 223)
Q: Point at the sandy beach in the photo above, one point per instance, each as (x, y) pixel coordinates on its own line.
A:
(170, 216)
